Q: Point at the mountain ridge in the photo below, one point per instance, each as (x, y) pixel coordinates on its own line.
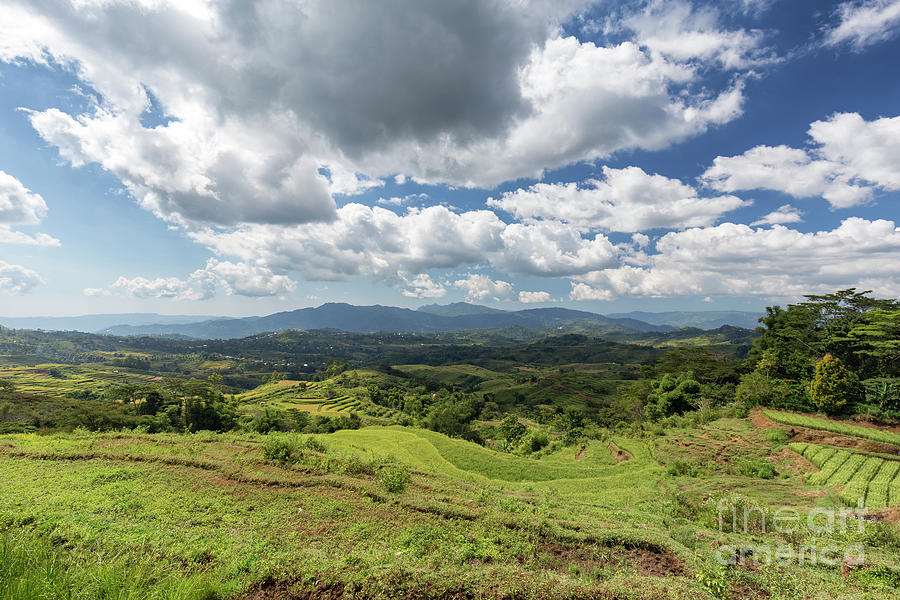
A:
(377, 318)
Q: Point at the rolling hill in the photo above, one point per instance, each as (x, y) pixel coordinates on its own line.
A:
(365, 319)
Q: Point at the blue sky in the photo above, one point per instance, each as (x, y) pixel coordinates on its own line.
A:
(236, 158)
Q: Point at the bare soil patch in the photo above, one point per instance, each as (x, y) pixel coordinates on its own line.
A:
(747, 590)
(581, 452)
(887, 515)
(281, 590)
(649, 560)
(619, 454)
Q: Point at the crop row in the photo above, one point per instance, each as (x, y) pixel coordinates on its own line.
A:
(869, 433)
(868, 478)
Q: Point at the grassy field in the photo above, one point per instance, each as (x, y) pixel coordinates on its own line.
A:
(387, 512)
(58, 381)
(869, 433)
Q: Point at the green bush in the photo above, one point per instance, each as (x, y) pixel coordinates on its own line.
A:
(281, 448)
(759, 468)
(394, 479)
(833, 386)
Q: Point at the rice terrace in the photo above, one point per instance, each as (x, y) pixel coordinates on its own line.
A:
(449, 300)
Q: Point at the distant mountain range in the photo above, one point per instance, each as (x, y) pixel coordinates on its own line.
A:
(431, 318)
(711, 319)
(92, 323)
(368, 319)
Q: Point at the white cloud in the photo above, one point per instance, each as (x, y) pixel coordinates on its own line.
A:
(422, 286)
(784, 214)
(160, 287)
(244, 279)
(864, 23)
(96, 292)
(551, 249)
(17, 280)
(534, 297)
(18, 204)
(480, 287)
(740, 260)
(627, 200)
(8, 236)
(372, 242)
(253, 110)
(202, 172)
(850, 159)
(684, 32)
(233, 278)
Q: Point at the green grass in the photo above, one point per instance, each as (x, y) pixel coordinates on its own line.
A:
(869, 433)
(383, 512)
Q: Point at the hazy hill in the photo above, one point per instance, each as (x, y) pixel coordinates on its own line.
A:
(707, 319)
(458, 309)
(363, 319)
(90, 323)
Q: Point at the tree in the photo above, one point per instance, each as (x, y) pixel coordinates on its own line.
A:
(672, 395)
(833, 386)
(511, 429)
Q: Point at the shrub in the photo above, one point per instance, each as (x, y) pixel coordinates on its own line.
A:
(394, 479)
(534, 442)
(281, 448)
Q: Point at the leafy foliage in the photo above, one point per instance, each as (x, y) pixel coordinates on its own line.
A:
(672, 395)
(833, 386)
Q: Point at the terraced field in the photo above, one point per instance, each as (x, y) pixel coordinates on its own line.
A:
(869, 433)
(308, 396)
(872, 480)
(57, 381)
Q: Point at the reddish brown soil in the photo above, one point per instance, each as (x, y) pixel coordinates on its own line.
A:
(887, 515)
(816, 436)
(748, 590)
(581, 452)
(657, 562)
(278, 590)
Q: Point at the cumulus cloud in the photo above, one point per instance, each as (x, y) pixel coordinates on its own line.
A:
(740, 260)
(21, 206)
(849, 160)
(627, 200)
(160, 287)
(245, 279)
(18, 204)
(8, 236)
(233, 278)
(480, 287)
(253, 127)
(683, 32)
(784, 214)
(422, 286)
(864, 23)
(17, 280)
(534, 297)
